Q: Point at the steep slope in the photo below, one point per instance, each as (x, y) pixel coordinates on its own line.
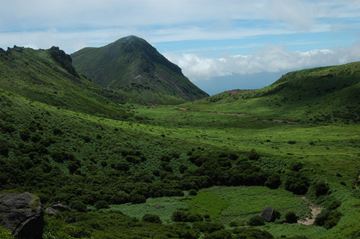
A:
(320, 95)
(133, 66)
(48, 76)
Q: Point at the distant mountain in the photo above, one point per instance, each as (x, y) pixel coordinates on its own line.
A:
(318, 94)
(47, 76)
(135, 68)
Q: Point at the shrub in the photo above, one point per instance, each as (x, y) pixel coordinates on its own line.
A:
(251, 233)
(151, 218)
(321, 188)
(328, 218)
(4, 148)
(223, 234)
(78, 206)
(101, 204)
(182, 168)
(184, 216)
(119, 198)
(297, 166)
(192, 192)
(297, 183)
(273, 181)
(208, 227)
(256, 221)
(253, 155)
(291, 217)
(334, 204)
(137, 198)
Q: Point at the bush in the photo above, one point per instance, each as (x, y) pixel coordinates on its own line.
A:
(253, 155)
(296, 166)
(328, 218)
(192, 192)
(256, 221)
(297, 183)
(151, 218)
(219, 235)
(251, 233)
(184, 216)
(208, 227)
(273, 181)
(291, 217)
(78, 206)
(321, 188)
(101, 204)
(4, 148)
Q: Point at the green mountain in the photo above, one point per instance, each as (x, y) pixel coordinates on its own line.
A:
(48, 76)
(319, 94)
(136, 69)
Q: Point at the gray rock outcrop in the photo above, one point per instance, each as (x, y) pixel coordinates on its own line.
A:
(22, 214)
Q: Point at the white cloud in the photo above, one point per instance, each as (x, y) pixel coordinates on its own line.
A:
(270, 59)
(45, 23)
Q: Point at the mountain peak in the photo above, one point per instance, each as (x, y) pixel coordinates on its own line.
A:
(133, 65)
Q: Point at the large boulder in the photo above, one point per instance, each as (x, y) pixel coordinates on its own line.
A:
(22, 214)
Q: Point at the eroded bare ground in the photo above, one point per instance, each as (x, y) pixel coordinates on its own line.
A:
(315, 211)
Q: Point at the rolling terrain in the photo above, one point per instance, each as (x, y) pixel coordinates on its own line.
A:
(135, 68)
(202, 169)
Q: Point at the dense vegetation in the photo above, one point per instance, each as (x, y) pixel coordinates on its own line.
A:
(204, 169)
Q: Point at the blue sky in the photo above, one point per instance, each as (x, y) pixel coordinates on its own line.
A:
(218, 44)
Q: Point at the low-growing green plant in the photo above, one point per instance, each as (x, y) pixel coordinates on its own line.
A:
(151, 218)
(256, 221)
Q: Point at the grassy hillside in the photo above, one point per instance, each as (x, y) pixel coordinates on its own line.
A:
(205, 168)
(326, 94)
(135, 68)
(48, 76)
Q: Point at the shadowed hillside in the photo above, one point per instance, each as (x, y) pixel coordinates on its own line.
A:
(48, 76)
(135, 68)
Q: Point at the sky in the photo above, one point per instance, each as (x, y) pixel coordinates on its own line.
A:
(219, 44)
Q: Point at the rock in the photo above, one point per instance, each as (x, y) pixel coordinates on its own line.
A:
(22, 214)
(269, 214)
(56, 208)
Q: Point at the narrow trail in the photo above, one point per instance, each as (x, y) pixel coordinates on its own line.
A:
(315, 211)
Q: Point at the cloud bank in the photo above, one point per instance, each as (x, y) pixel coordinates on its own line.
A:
(270, 59)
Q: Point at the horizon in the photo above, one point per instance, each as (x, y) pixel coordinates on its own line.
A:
(219, 47)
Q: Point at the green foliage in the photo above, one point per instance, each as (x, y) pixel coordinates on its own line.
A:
(321, 188)
(78, 206)
(185, 216)
(101, 204)
(297, 183)
(328, 218)
(273, 181)
(256, 221)
(251, 233)
(291, 217)
(151, 218)
(5, 234)
(222, 234)
(208, 227)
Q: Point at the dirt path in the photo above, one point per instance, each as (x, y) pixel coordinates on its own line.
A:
(315, 210)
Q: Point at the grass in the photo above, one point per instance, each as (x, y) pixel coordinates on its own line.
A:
(163, 207)
(228, 204)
